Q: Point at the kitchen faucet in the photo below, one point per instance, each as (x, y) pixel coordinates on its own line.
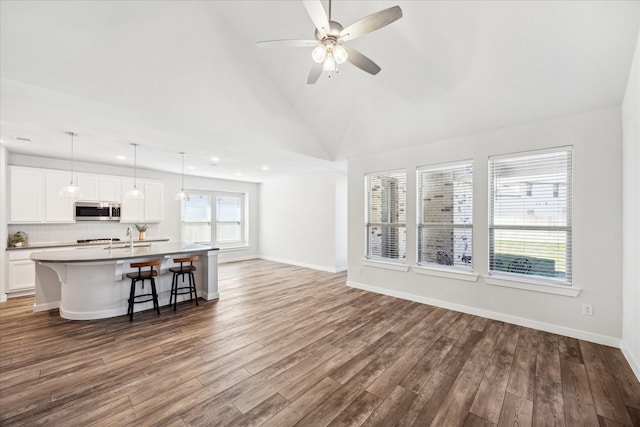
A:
(130, 234)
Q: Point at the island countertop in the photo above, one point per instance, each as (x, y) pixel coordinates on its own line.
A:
(88, 254)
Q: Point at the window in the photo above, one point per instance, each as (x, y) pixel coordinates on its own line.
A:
(386, 231)
(530, 214)
(445, 212)
(228, 217)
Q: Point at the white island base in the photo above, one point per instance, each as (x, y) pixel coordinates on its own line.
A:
(91, 284)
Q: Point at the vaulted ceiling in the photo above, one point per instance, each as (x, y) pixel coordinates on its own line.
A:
(188, 76)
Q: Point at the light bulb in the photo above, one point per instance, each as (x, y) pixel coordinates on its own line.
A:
(134, 193)
(182, 195)
(319, 53)
(329, 64)
(70, 191)
(340, 54)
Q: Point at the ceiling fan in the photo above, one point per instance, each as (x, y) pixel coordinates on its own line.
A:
(329, 49)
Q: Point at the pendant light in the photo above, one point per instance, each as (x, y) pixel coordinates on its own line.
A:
(70, 190)
(182, 195)
(134, 193)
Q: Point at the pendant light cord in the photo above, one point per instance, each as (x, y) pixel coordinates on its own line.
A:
(182, 171)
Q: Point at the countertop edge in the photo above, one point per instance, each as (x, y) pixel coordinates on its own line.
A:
(38, 246)
(115, 255)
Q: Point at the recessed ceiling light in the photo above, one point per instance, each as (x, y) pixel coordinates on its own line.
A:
(191, 168)
(121, 157)
(215, 159)
(265, 168)
(238, 174)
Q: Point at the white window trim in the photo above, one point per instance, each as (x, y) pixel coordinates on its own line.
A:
(388, 265)
(436, 269)
(242, 244)
(531, 285)
(520, 281)
(449, 273)
(373, 262)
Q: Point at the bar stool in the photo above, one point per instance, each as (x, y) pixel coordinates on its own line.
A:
(141, 276)
(180, 272)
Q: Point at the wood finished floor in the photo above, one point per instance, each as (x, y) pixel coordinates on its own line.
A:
(288, 346)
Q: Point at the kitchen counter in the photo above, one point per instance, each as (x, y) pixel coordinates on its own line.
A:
(47, 245)
(90, 283)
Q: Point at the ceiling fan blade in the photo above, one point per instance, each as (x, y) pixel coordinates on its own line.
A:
(371, 23)
(318, 16)
(314, 74)
(288, 43)
(361, 61)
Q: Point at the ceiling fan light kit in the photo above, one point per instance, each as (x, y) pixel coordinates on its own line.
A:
(329, 51)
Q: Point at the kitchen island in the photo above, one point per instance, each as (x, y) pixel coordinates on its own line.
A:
(90, 283)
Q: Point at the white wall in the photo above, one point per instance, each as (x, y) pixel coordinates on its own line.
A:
(597, 232)
(302, 221)
(169, 227)
(631, 216)
(3, 221)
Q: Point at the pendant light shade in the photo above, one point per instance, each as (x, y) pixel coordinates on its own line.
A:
(134, 193)
(182, 195)
(70, 190)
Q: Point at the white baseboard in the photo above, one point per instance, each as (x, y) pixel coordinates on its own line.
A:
(236, 259)
(300, 264)
(534, 324)
(633, 362)
(46, 307)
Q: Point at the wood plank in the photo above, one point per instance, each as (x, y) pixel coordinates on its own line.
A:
(607, 398)
(625, 379)
(548, 358)
(547, 404)
(575, 384)
(456, 405)
(358, 411)
(429, 400)
(579, 413)
(489, 398)
(389, 412)
(516, 411)
(523, 369)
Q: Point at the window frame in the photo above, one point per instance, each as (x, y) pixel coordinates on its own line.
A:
(213, 196)
(368, 257)
(420, 225)
(499, 275)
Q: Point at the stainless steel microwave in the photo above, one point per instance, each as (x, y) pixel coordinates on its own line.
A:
(97, 211)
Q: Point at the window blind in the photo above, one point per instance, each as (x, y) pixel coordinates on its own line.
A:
(530, 214)
(445, 215)
(386, 213)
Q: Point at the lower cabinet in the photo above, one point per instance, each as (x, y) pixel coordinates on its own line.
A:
(21, 272)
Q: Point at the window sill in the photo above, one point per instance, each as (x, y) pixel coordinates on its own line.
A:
(448, 273)
(385, 264)
(233, 248)
(532, 285)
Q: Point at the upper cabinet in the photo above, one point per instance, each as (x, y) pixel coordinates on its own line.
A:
(56, 207)
(149, 209)
(99, 188)
(26, 193)
(34, 196)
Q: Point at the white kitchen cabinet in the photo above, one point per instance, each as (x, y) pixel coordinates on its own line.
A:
(153, 201)
(132, 210)
(99, 188)
(110, 189)
(88, 184)
(57, 208)
(149, 209)
(21, 271)
(26, 195)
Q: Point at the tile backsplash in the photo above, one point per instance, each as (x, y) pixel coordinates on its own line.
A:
(60, 233)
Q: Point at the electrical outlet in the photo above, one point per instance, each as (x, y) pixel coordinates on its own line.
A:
(587, 309)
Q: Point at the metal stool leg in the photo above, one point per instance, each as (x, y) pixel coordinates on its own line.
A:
(154, 295)
(132, 293)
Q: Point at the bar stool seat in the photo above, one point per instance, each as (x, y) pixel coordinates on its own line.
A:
(184, 269)
(141, 276)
